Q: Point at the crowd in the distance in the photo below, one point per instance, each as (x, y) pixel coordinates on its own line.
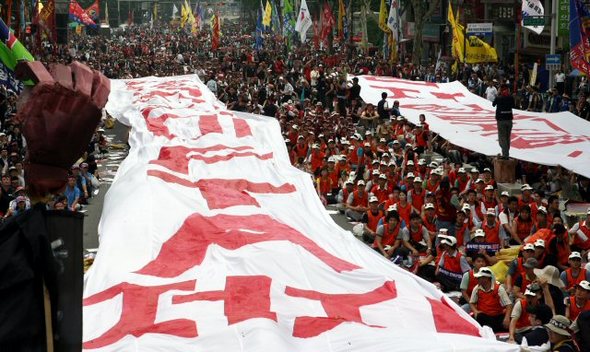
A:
(427, 205)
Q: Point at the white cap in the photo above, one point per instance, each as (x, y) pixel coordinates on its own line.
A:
(491, 211)
(528, 247)
(361, 183)
(373, 199)
(542, 209)
(585, 285)
(368, 133)
(295, 127)
(392, 208)
(479, 233)
(331, 159)
(479, 180)
(505, 194)
(484, 272)
(417, 179)
(526, 187)
(449, 240)
(422, 162)
(315, 146)
(342, 157)
(487, 169)
(410, 162)
(410, 174)
(461, 170)
(375, 172)
(396, 142)
(433, 165)
(466, 206)
(429, 206)
(391, 163)
(385, 155)
(383, 176)
(540, 243)
(349, 182)
(575, 255)
(528, 292)
(489, 188)
(367, 144)
(382, 140)
(438, 171)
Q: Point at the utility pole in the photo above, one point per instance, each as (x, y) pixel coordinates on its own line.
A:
(553, 35)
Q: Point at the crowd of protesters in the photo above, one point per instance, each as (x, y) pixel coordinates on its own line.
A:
(425, 204)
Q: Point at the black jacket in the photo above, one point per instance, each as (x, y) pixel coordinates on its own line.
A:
(504, 106)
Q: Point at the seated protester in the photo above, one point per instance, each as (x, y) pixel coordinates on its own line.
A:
(468, 282)
(478, 245)
(81, 184)
(519, 317)
(386, 239)
(579, 302)
(358, 202)
(462, 232)
(451, 266)
(573, 275)
(380, 190)
(429, 219)
(522, 281)
(471, 224)
(541, 254)
(559, 335)
(559, 246)
(416, 239)
(404, 208)
(489, 302)
(324, 187)
(550, 275)
(491, 228)
(581, 233)
(541, 220)
(522, 224)
(72, 194)
(507, 217)
(21, 207)
(342, 197)
(371, 219)
(537, 335)
(516, 268)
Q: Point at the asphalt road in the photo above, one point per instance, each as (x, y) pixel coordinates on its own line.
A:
(107, 167)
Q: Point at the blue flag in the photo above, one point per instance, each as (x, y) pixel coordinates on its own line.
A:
(259, 30)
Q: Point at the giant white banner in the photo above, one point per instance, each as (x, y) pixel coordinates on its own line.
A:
(211, 241)
(468, 121)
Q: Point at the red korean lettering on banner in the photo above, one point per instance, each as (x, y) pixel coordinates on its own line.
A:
(397, 92)
(399, 81)
(139, 311)
(188, 246)
(224, 193)
(339, 308)
(244, 297)
(176, 158)
(447, 96)
(447, 320)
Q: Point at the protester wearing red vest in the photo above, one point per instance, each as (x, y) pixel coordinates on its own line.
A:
(489, 302)
(451, 265)
(491, 227)
(386, 240)
(581, 233)
(371, 220)
(573, 275)
(469, 280)
(526, 278)
(519, 317)
(358, 202)
(580, 302)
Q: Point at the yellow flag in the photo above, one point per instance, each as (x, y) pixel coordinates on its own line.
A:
(383, 17)
(472, 49)
(267, 14)
(183, 15)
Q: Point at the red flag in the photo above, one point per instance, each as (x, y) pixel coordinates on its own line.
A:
(216, 32)
(93, 11)
(77, 14)
(46, 21)
(327, 22)
(316, 34)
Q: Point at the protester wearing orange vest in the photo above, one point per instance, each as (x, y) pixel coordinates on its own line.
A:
(489, 302)
(358, 202)
(469, 280)
(573, 275)
(371, 219)
(519, 317)
(526, 278)
(579, 302)
(516, 267)
(491, 227)
(451, 266)
(386, 239)
(581, 233)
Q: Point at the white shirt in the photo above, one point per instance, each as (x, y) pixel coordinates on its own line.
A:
(491, 93)
(559, 77)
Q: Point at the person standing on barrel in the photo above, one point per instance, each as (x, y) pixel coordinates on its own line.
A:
(504, 104)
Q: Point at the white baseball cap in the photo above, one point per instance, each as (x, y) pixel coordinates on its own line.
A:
(484, 272)
(373, 199)
(410, 174)
(575, 255)
(489, 188)
(418, 179)
(361, 183)
(505, 194)
(540, 243)
(410, 162)
(585, 285)
(491, 211)
(429, 206)
(528, 247)
(479, 233)
(449, 240)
